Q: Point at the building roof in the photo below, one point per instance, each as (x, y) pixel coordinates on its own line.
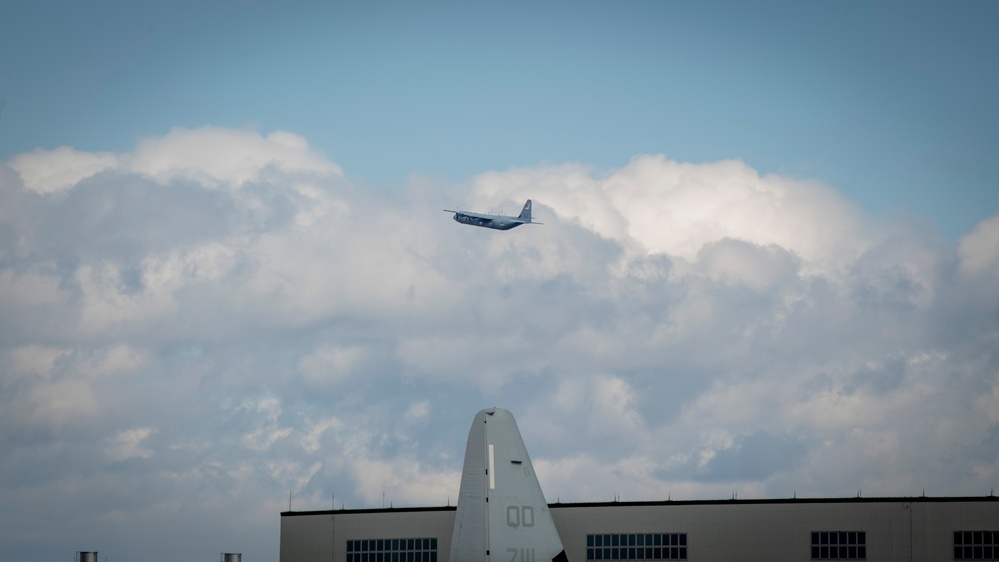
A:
(559, 505)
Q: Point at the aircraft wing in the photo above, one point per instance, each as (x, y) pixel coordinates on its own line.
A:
(477, 216)
(470, 214)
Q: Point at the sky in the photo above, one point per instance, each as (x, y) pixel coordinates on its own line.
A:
(769, 264)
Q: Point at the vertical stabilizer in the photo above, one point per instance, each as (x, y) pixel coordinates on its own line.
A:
(525, 213)
(502, 514)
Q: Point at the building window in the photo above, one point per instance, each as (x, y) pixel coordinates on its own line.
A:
(976, 545)
(392, 550)
(839, 545)
(648, 546)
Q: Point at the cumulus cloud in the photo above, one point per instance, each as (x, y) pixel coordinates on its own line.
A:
(979, 250)
(658, 206)
(219, 318)
(226, 157)
(47, 171)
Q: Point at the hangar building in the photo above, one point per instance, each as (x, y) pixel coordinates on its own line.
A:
(519, 526)
(916, 529)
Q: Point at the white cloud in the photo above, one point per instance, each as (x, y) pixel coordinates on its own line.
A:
(48, 171)
(266, 414)
(979, 249)
(128, 444)
(731, 261)
(315, 431)
(31, 360)
(216, 156)
(222, 315)
(30, 290)
(330, 365)
(404, 481)
(115, 360)
(656, 205)
(56, 404)
(418, 411)
(610, 402)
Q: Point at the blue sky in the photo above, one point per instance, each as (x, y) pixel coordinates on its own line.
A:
(769, 263)
(890, 103)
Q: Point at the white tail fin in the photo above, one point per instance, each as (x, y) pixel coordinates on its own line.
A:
(502, 514)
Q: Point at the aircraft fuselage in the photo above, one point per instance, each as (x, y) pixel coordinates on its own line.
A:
(494, 223)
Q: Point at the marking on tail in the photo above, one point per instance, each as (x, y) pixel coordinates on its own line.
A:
(492, 469)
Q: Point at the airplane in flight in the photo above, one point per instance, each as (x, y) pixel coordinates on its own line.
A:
(497, 222)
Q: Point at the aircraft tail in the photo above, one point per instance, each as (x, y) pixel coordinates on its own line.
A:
(525, 213)
(502, 513)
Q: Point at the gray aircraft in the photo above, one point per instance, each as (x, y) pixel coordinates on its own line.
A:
(497, 222)
(502, 514)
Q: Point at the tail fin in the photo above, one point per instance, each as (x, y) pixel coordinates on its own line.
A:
(525, 213)
(502, 514)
